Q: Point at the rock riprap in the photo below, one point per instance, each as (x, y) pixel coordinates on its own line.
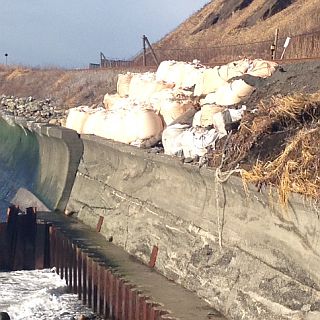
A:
(43, 111)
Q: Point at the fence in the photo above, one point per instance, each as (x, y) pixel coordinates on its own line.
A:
(300, 47)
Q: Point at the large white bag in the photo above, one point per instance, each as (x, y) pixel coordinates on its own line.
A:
(123, 84)
(77, 117)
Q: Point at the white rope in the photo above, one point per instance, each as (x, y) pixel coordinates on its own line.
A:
(220, 178)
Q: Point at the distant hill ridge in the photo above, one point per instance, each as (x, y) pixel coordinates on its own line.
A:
(222, 22)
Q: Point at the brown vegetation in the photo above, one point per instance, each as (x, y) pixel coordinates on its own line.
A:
(278, 145)
(67, 88)
(223, 22)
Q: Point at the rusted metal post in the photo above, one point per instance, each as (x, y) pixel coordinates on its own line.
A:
(89, 281)
(52, 246)
(94, 285)
(139, 307)
(84, 276)
(99, 224)
(111, 293)
(117, 302)
(59, 253)
(74, 268)
(132, 304)
(40, 246)
(79, 272)
(106, 297)
(100, 288)
(69, 264)
(66, 259)
(153, 257)
(126, 287)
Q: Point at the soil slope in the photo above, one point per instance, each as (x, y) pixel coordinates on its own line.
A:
(242, 21)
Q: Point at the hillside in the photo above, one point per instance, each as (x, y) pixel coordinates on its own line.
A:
(222, 22)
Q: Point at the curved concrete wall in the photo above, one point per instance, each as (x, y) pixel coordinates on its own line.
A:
(42, 160)
(241, 252)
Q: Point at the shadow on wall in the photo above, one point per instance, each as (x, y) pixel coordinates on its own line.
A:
(37, 165)
(19, 161)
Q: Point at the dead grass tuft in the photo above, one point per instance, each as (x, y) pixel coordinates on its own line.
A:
(295, 170)
(279, 145)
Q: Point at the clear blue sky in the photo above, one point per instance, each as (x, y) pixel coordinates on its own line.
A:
(71, 33)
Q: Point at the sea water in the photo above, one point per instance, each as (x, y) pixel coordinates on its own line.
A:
(39, 295)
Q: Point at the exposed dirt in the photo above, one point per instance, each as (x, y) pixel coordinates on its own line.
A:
(277, 139)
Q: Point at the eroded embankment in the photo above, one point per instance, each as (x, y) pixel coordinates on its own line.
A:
(241, 252)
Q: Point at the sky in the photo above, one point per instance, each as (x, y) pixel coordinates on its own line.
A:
(71, 33)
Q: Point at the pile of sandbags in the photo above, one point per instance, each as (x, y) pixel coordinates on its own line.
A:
(148, 103)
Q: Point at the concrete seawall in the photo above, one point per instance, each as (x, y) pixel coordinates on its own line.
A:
(42, 160)
(239, 251)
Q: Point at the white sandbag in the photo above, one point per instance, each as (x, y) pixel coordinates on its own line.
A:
(171, 110)
(207, 112)
(123, 84)
(191, 75)
(171, 103)
(229, 94)
(209, 81)
(171, 139)
(142, 85)
(110, 100)
(196, 122)
(163, 69)
(262, 68)
(90, 125)
(142, 89)
(234, 69)
(170, 72)
(128, 126)
(220, 120)
(195, 141)
(77, 117)
(182, 74)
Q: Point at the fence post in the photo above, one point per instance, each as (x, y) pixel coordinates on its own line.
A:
(274, 46)
(152, 52)
(144, 50)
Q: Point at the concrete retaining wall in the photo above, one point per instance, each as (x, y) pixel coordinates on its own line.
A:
(41, 160)
(241, 252)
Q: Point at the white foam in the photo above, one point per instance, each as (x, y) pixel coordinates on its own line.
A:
(38, 295)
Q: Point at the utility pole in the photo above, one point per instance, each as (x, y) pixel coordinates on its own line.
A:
(6, 55)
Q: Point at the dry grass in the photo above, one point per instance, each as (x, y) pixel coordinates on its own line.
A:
(295, 170)
(297, 167)
(301, 17)
(65, 88)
